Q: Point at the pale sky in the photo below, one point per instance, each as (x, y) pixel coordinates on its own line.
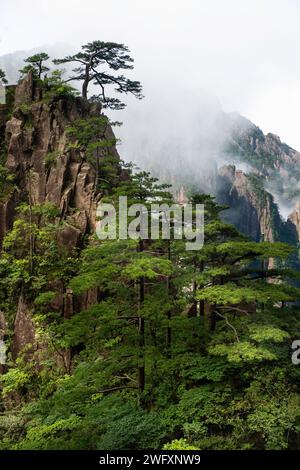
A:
(244, 52)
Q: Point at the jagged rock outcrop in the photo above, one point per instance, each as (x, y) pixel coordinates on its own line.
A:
(264, 186)
(3, 332)
(275, 165)
(37, 129)
(251, 208)
(234, 190)
(24, 331)
(263, 152)
(250, 212)
(294, 218)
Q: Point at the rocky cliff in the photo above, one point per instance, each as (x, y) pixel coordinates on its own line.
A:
(36, 130)
(252, 209)
(258, 179)
(256, 175)
(45, 169)
(249, 211)
(203, 148)
(261, 184)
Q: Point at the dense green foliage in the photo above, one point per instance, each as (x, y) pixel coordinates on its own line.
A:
(210, 369)
(3, 79)
(175, 349)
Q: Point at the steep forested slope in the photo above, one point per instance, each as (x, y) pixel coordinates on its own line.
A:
(131, 343)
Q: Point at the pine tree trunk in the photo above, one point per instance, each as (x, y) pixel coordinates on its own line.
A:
(86, 82)
(97, 170)
(194, 309)
(201, 303)
(212, 318)
(141, 330)
(31, 235)
(201, 308)
(169, 314)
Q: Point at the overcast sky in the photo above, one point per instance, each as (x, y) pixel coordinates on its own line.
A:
(244, 52)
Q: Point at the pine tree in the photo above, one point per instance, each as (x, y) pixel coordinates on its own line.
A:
(93, 137)
(3, 79)
(229, 270)
(36, 65)
(91, 62)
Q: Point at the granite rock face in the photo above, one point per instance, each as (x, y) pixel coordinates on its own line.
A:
(251, 215)
(294, 218)
(35, 130)
(260, 184)
(253, 210)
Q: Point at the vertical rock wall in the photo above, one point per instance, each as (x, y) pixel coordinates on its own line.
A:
(35, 129)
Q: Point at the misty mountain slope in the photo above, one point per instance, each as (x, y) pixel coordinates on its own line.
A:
(187, 143)
(251, 208)
(270, 158)
(201, 147)
(261, 185)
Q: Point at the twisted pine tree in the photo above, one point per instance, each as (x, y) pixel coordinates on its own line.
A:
(3, 80)
(93, 59)
(36, 64)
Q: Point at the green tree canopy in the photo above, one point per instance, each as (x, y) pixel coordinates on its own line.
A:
(92, 63)
(36, 64)
(3, 79)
